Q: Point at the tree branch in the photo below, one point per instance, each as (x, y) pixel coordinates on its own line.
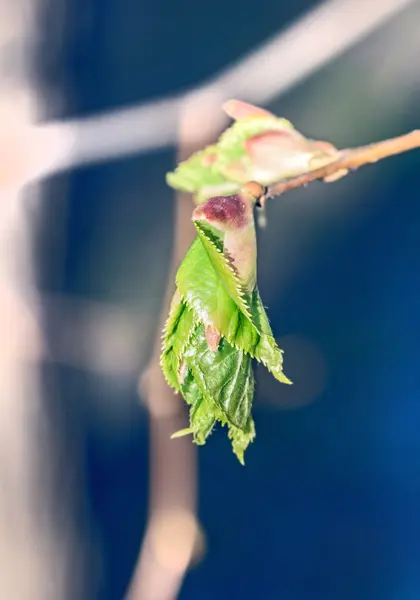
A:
(172, 532)
(350, 159)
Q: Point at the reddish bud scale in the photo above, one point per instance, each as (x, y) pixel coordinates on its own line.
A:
(230, 211)
(213, 338)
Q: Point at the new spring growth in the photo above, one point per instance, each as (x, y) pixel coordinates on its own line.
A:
(217, 324)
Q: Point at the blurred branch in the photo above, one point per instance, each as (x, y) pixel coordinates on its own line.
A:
(292, 55)
(32, 550)
(172, 532)
(39, 559)
(95, 336)
(350, 159)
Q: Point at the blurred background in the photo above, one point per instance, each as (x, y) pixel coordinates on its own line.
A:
(98, 100)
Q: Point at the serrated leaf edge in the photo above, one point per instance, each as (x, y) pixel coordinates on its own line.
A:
(239, 288)
(230, 341)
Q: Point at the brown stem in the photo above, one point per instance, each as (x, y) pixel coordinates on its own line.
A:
(349, 159)
(172, 531)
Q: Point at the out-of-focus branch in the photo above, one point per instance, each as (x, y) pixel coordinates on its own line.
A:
(34, 552)
(172, 532)
(29, 557)
(350, 159)
(316, 38)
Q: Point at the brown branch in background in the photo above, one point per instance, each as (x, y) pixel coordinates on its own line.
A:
(349, 159)
(35, 554)
(172, 535)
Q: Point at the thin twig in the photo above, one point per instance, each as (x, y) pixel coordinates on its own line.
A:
(350, 159)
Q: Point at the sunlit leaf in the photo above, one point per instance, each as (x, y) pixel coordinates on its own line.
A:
(213, 371)
(257, 147)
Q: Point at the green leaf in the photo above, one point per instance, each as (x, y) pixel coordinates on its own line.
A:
(204, 173)
(242, 438)
(216, 379)
(223, 269)
(219, 386)
(202, 289)
(178, 330)
(231, 143)
(202, 414)
(225, 377)
(258, 147)
(196, 172)
(267, 350)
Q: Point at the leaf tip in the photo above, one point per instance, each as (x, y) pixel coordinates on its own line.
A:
(182, 433)
(241, 459)
(280, 376)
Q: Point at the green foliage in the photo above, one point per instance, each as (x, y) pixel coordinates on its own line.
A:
(217, 382)
(222, 167)
(258, 147)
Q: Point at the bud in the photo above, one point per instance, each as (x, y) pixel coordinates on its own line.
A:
(232, 219)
